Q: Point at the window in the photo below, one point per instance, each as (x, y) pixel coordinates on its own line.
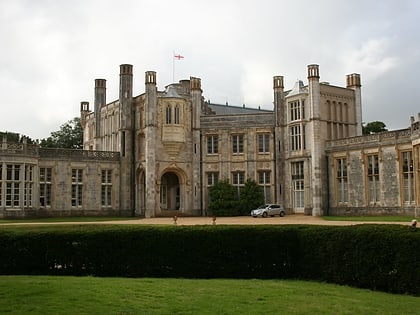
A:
(106, 188)
(28, 186)
(13, 185)
(297, 110)
(264, 182)
(298, 184)
(373, 178)
(76, 187)
(212, 144)
(342, 185)
(263, 143)
(238, 180)
(408, 177)
(176, 114)
(237, 144)
(45, 181)
(212, 178)
(168, 115)
(297, 137)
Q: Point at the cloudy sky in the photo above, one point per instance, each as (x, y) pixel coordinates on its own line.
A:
(52, 50)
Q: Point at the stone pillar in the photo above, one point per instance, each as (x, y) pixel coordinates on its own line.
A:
(84, 111)
(100, 100)
(316, 143)
(279, 109)
(196, 97)
(152, 201)
(126, 133)
(354, 83)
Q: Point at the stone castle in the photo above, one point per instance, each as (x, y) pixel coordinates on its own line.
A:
(157, 154)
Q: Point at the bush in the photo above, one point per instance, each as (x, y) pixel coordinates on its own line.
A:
(379, 257)
(223, 199)
(251, 197)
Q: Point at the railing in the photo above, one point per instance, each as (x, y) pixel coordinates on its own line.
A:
(33, 150)
(378, 137)
(78, 154)
(19, 149)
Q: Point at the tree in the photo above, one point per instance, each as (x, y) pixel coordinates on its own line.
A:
(70, 136)
(251, 197)
(13, 137)
(10, 136)
(223, 199)
(374, 127)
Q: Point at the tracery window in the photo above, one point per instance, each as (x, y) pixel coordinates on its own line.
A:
(341, 180)
(373, 178)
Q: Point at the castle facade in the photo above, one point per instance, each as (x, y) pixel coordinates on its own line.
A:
(157, 154)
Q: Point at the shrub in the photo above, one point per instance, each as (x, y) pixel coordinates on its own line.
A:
(223, 199)
(379, 257)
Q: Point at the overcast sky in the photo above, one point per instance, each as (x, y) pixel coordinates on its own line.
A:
(53, 50)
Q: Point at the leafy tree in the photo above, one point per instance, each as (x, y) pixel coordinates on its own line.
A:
(70, 136)
(223, 199)
(10, 136)
(251, 197)
(14, 137)
(374, 127)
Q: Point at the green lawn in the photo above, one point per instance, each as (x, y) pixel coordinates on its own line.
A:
(90, 295)
(369, 218)
(68, 219)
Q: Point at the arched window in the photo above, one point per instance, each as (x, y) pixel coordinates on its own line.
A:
(168, 115)
(176, 115)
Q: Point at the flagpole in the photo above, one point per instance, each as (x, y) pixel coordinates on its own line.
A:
(173, 66)
(178, 57)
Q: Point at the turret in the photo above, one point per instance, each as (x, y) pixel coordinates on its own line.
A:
(100, 100)
(196, 98)
(151, 100)
(126, 93)
(314, 91)
(354, 83)
(150, 104)
(316, 144)
(195, 88)
(84, 110)
(126, 133)
(278, 87)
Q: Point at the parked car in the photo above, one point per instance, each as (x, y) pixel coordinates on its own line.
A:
(268, 210)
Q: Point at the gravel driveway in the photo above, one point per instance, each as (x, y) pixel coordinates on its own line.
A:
(288, 219)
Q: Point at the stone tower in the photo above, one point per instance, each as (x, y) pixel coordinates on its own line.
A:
(150, 149)
(317, 143)
(279, 110)
(126, 137)
(100, 100)
(354, 83)
(196, 95)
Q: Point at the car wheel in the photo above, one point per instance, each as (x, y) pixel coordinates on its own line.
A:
(264, 214)
(282, 214)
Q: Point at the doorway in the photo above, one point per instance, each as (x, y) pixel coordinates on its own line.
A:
(170, 192)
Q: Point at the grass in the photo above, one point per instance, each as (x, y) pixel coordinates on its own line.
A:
(90, 295)
(369, 218)
(68, 219)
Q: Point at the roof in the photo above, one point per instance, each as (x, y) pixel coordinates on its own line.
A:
(234, 110)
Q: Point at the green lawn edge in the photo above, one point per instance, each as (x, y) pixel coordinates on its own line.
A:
(94, 295)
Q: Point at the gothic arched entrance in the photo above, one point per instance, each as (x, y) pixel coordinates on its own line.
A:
(170, 192)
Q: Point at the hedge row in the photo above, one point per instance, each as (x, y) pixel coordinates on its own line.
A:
(379, 257)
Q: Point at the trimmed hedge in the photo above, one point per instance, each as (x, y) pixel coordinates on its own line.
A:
(379, 257)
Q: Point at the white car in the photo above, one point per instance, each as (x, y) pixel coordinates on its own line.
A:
(268, 210)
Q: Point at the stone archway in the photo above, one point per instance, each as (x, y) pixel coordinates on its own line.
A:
(170, 194)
